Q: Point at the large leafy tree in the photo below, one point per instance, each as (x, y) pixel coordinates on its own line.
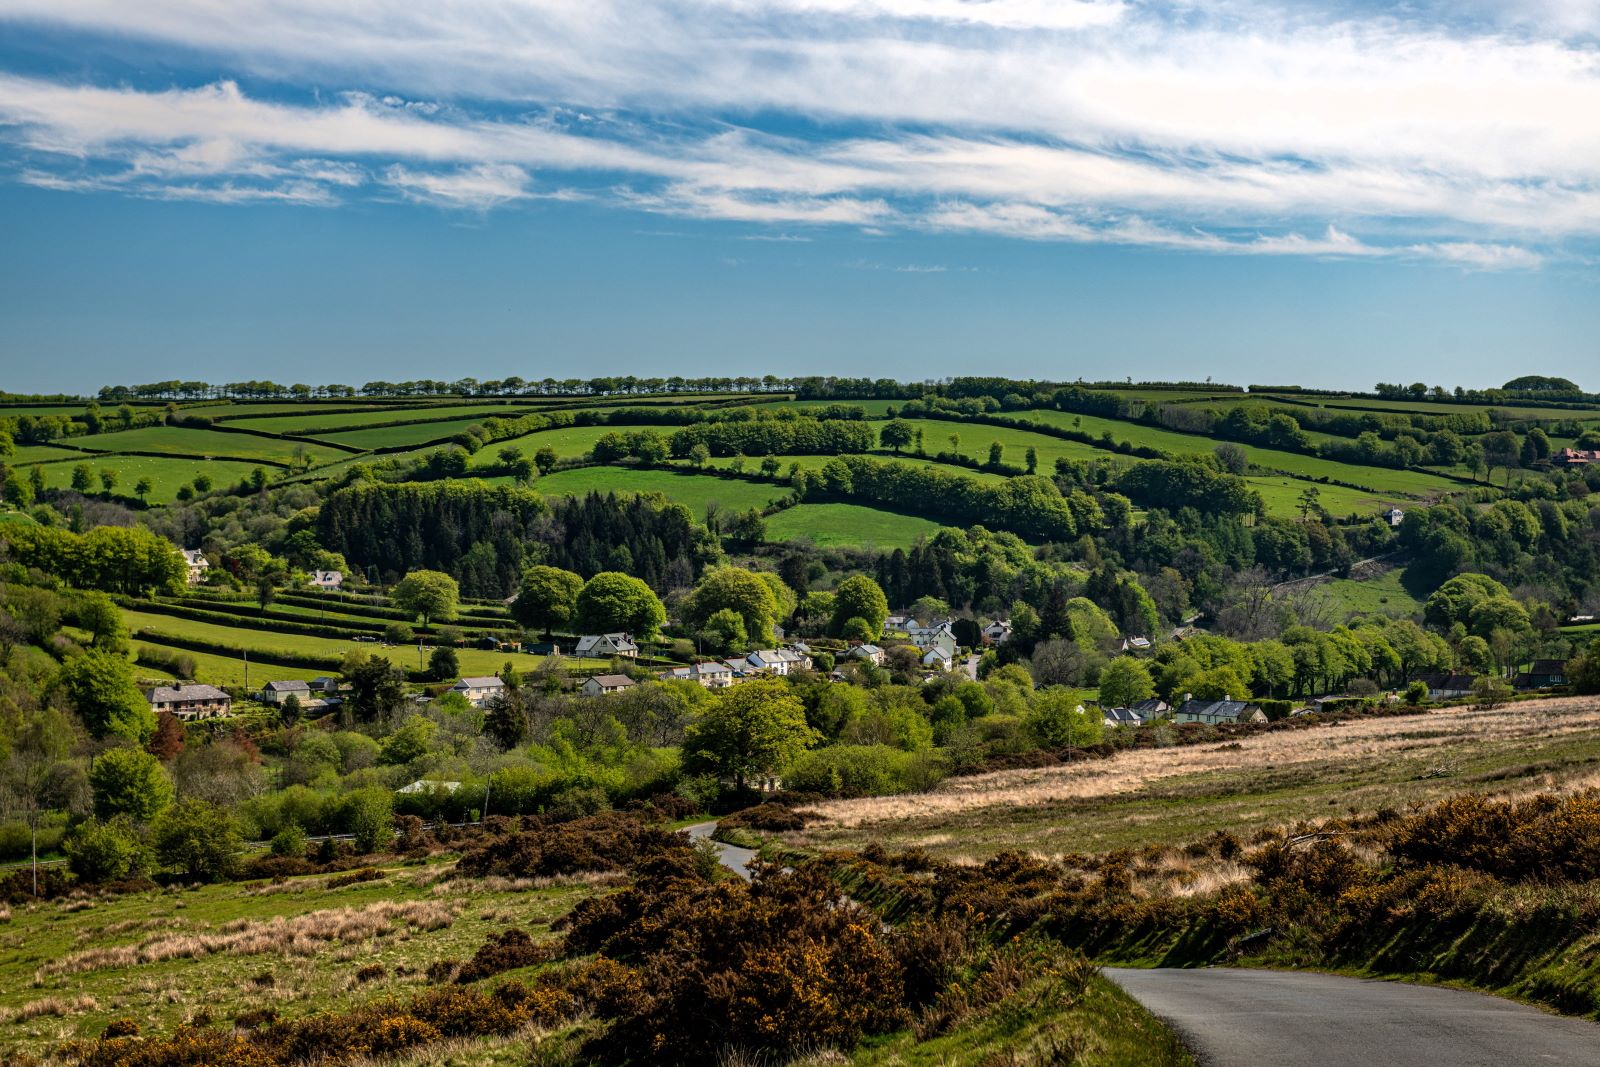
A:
(127, 781)
(430, 594)
(751, 730)
(198, 839)
(759, 599)
(1057, 718)
(101, 687)
(1125, 681)
(859, 597)
(896, 434)
(376, 686)
(612, 601)
(547, 598)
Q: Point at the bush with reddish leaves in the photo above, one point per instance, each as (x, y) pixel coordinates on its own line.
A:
(768, 818)
(607, 842)
(688, 966)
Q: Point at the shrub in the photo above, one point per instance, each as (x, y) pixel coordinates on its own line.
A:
(104, 851)
(290, 841)
(786, 963)
(773, 818)
(198, 839)
(369, 815)
(606, 842)
(863, 771)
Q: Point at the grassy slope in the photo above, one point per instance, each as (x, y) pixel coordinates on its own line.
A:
(848, 524)
(308, 422)
(1381, 479)
(1383, 595)
(163, 994)
(570, 442)
(165, 474)
(39, 453)
(1173, 796)
(222, 670)
(187, 441)
(694, 490)
(473, 661)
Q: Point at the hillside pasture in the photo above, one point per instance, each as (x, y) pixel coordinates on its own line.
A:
(569, 442)
(39, 454)
(166, 475)
(1168, 796)
(309, 423)
(212, 444)
(976, 437)
(1383, 595)
(269, 644)
(164, 955)
(411, 433)
(1383, 480)
(1281, 494)
(826, 525)
(696, 491)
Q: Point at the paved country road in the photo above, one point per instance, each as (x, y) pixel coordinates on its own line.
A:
(1249, 1018)
(733, 857)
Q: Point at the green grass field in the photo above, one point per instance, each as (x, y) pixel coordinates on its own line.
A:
(570, 442)
(183, 440)
(848, 524)
(415, 433)
(18, 410)
(873, 408)
(1434, 407)
(1383, 595)
(976, 437)
(165, 474)
(223, 670)
(39, 453)
(815, 463)
(308, 423)
(164, 992)
(693, 490)
(246, 409)
(1381, 480)
(1282, 497)
(266, 642)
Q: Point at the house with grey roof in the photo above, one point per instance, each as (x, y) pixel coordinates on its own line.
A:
(1218, 712)
(604, 646)
(190, 701)
(604, 684)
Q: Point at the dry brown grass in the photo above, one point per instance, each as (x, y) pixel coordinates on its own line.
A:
(1172, 796)
(300, 935)
(57, 1006)
(1361, 740)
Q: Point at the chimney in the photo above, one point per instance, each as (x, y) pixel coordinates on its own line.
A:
(1226, 698)
(1188, 697)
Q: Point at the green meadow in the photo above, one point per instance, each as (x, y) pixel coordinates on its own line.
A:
(188, 441)
(826, 525)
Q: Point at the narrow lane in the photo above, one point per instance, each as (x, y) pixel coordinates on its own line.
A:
(1232, 1017)
(733, 857)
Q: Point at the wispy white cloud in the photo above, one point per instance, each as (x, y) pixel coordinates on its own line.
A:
(1237, 127)
(479, 188)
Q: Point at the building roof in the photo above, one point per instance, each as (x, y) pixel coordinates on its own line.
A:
(619, 641)
(1448, 682)
(427, 785)
(866, 650)
(293, 685)
(1228, 710)
(1151, 707)
(195, 557)
(1121, 716)
(612, 681)
(1548, 666)
(489, 682)
(327, 576)
(166, 694)
(937, 652)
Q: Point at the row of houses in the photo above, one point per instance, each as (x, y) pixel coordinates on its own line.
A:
(719, 674)
(195, 560)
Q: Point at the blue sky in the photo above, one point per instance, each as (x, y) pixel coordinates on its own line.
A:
(315, 191)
